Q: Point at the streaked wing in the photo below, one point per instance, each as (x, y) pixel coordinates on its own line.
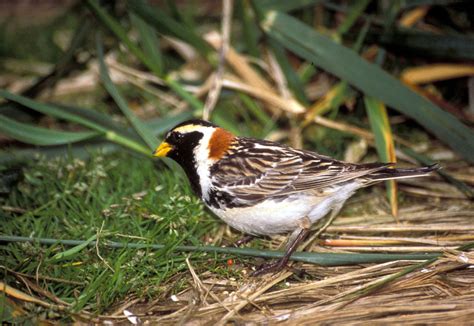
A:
(259, 169)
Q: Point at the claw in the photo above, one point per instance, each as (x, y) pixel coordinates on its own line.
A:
(277, 266)
(246, 239)
(274, 267)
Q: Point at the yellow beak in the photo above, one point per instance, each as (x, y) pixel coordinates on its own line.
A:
(162, 150)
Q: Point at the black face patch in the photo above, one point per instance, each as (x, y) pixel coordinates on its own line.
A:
(183, 146)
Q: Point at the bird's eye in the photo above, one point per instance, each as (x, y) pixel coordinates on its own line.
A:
(175, 137)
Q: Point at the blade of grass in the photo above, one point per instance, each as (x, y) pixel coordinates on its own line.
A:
(284, 5)
(149, 42)
(369, 78)
(250, 29)
(41, 136)
(115, 27)
(50, 110)
(83, 151)
(137, 124)
(72, 252)
(167, 25)
(378, 119)
(356, 10)
(323, 259)
(415, 42)
(68, 116)
(14, 156)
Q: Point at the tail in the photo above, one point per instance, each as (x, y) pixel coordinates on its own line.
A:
(394, 173)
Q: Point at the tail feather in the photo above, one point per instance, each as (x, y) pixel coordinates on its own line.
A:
(398, 173)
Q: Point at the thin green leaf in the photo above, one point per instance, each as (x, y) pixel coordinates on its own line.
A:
(356, 10)
(415, 3)
(50, 110)
(41, 136)
(63, 114)
(91, 290)
(256, 110)
(72, 252)
(369, 78)
(13, 156)
(323, 259)
(149, 42)
(285, 5)
(115, 27)
(118, 30)
(380, 126)
(250, 30)
(137, 124)
(84, 150)
(167, 25)
(415, 42)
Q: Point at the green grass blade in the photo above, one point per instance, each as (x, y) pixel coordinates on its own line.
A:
(250, 30)
(50, 110)
(370, 79)
(83, 151)
(63, 114)
(72, 252)
(380, 126)
(424, 44)
(323, 259)
(285, 5)
(149, 41)
(101, 119)
(137, 124)
(15, 156)
(167, 25)
(406, 4)
(356, 10)
(41, 136)
(120, 32)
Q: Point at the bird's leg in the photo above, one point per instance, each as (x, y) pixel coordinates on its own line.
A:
(246, 239)
(295, 239)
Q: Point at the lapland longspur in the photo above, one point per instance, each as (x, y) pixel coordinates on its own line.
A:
(261, 187)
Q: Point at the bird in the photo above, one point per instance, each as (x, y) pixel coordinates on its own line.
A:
(263, 188)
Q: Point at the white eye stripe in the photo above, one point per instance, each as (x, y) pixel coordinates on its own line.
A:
(190, 128)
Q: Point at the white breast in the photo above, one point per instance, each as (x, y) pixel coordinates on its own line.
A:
(273, 217)
(203, 163)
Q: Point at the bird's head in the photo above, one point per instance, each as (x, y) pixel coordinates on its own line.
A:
(195, 141)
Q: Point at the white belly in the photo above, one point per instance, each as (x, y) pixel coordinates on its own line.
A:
(273, 217)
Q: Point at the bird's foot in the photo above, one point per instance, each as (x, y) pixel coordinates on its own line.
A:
(273, 267)
(243, 240)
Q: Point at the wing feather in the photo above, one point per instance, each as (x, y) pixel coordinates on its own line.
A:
(255, 170)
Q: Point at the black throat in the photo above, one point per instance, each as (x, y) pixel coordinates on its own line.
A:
(184, 156)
